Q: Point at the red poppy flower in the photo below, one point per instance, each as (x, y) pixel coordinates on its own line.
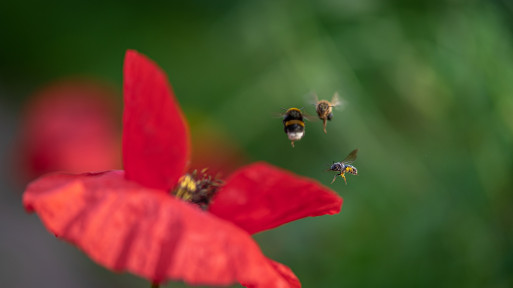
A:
(129, 221)
(69, 126)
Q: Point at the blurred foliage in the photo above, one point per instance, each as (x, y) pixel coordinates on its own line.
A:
(429, 92)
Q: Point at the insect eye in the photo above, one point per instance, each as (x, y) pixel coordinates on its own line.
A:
(330, 116)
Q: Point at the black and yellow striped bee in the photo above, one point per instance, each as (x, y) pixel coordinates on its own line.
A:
(293, 124)
(344, 166)
(324, 108)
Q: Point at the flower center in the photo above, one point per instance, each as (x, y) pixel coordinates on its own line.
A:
(198, 188)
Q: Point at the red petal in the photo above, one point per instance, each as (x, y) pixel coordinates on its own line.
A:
(124, 226)
(260, 197)
(286, 273)
(155, 134)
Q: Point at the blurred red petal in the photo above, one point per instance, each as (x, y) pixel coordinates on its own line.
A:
(155, 134)
(70, 126)
(125, 226)
(260, 197)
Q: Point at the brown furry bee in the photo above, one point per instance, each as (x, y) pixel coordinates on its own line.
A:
(293, 124)
(324, 108)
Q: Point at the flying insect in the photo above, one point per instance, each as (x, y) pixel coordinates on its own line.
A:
(293, 124)
(324, 108)
(345, 166)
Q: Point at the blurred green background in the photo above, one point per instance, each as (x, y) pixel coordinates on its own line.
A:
(429, 93)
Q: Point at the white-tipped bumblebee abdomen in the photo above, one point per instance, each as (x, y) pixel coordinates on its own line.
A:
(294, 136)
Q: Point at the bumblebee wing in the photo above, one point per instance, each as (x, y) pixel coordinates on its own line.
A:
(351, 157)
(277, 114)
(280, 114)
(309, 117)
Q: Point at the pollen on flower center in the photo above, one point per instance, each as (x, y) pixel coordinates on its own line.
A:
(198, 188)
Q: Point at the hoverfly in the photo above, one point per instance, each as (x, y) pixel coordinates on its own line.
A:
(344, 166)
(293, 124)
(324, 108)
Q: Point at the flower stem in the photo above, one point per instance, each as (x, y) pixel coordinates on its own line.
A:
(155, 285)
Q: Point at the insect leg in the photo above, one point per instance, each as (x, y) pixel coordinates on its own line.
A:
(334, 178)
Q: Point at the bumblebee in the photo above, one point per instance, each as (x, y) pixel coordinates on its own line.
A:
(344, 166)
(324, 108)
(293, 124)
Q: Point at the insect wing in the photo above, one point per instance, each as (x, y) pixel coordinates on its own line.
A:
(309, 117)
(311, 98)
(351, 157)
(336, 101)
